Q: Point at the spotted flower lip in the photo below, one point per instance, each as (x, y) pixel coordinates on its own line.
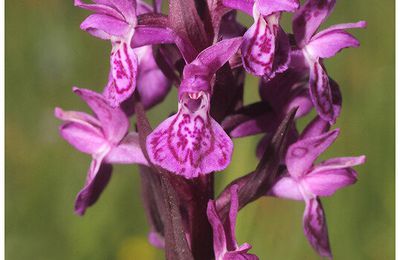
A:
(115, 21)
(317, 46)
(191, 143)
(265, 49)
(105, 137)
(225, 243)
(306, 181)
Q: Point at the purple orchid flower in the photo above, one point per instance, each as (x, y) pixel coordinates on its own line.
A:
(104, 136)
(265, 46)
(115, 20)
(279, 95)
(317, 46)
(225, 243)
(305, 181)
(191, 143)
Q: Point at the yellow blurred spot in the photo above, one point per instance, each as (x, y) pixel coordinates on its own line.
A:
(135, 248)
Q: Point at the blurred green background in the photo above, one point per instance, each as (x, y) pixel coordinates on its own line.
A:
(47, 53)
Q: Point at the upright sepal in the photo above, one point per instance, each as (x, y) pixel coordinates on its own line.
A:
(301, 155)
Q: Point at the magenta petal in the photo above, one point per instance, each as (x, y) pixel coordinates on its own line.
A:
(128, 151)
(104, 26)
(85, 138)
(126, 7)
(100, 9)
(78, 117)
(285, 91)
(330, 43)
(225, 244)
(286, 188)
(240, 254)
(244, 6)
(340, 27)
(113, 120)
(258, 47)
(156, 240)
(124, 72)
(326, 183)
(320, 92)
(315, 229)
(231, 243)
(282, 53)
(152, 85)
(98, 177)
(211, 59)
(316, 127)
(339, 163)
(255, 126)
(267, 7)
(301, 155)
(309, 17)
(190, 143)
(218, 230)
(149, 35)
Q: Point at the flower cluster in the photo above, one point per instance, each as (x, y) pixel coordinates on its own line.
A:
(202, 49)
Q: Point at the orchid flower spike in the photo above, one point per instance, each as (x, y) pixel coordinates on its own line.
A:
(115, 20)
(105, 137)
(225, 243)
(191, 143)
(265, 49)
(317, 46)
(305, 181)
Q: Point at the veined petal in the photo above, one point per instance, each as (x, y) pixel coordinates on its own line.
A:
(126, 7)
(190, 143)
(286, 188)
(99, 9)
(326, 183)
(113, 120)
(104, 26)
(339, 163)
(84, 138)
(97, 179)
(267, 7)
(309, 17)
(340, 27)
(258, 47)
(301, 155)
(328, 44)
(122, 82)
(127, 151)
(315, 229)
(78, 117)
(320, 92)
